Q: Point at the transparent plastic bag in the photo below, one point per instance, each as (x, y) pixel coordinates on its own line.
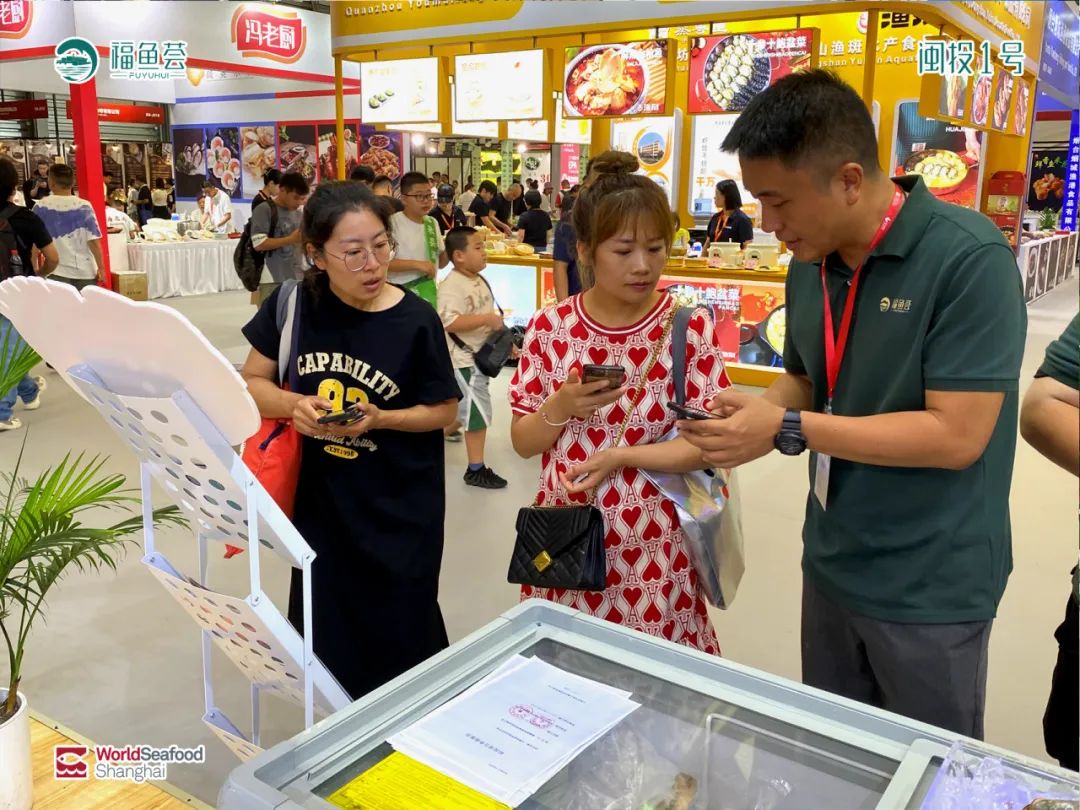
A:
(973, 779)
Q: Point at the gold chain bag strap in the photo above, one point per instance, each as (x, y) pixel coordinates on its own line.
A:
(563, 546)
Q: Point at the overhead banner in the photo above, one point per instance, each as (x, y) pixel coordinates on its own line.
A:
(248, 35)
(126, 113)
(499, 86)
(400, 91)
(1059, 68)
(23, 110)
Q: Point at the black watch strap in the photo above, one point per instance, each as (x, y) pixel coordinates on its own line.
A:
(792, 421)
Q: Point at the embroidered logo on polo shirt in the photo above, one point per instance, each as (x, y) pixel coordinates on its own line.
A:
(895, 304)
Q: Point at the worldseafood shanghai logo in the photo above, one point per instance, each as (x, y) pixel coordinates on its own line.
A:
(127, 763)
(76, 60)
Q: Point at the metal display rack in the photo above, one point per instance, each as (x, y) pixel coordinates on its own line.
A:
(179, 446)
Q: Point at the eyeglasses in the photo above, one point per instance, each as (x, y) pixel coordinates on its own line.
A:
(356, 259)
(425, 196)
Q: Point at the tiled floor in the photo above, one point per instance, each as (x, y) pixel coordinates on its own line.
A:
(117, 661)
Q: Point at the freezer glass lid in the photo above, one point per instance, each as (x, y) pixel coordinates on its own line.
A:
(691, 748)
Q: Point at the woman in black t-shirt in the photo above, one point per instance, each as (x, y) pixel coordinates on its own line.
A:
(371, 495)
(729, 223)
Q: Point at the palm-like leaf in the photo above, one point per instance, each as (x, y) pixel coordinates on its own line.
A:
(22, 359)
(42, 538)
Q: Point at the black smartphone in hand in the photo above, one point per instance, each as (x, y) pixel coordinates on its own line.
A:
(684, 412)
(346, 417)
(615, 375)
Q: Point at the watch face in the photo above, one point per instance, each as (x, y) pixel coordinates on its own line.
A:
(789, 443)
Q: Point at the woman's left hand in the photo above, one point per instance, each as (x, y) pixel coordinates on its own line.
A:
(373, 420)
(595, 470)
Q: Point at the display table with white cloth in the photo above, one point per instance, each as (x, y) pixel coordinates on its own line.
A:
(185, 268)
(118, 255)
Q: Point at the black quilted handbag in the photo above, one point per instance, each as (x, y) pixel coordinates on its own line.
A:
(563, 546)
(559, 547)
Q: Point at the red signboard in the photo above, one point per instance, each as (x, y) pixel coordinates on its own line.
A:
(129, 113)
(269, 33)
(15, 17)
(19, 110)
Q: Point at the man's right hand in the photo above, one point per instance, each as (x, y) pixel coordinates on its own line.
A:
(427, 268)
(495, 321)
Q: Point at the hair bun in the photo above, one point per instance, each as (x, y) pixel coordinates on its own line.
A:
(613, 162)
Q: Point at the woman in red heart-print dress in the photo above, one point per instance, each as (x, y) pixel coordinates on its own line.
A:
(624, 228)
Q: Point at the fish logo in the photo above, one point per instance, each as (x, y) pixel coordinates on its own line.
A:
(69, 762)
(76, 60)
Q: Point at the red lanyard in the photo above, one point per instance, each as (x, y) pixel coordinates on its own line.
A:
(835, 346)
(720, 225)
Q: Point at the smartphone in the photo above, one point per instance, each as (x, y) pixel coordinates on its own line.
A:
(615, 375)
(346, 417)
(684, 412)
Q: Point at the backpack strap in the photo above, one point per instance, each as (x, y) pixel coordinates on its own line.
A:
(288, 324)
(7, 211)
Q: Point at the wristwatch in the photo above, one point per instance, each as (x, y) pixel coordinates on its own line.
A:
(790, 440)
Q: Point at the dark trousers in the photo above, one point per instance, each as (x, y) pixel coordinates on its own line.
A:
(934, 673)
(77, 283)
(1061, 728)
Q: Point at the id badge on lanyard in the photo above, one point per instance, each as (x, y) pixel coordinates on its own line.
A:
(836, 340)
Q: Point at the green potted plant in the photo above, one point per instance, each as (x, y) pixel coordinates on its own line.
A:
(42, 537)
(1048, 219)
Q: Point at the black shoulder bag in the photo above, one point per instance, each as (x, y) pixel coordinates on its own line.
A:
(563, 546)
(499, 345)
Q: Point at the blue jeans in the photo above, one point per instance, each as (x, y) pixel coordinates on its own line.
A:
(27, 389)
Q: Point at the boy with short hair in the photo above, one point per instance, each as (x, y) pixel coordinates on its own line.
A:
(467, 310)
(420, 251)
(534, 225)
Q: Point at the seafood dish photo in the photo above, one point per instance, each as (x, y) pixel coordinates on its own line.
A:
(1020, 114)
(953, 91)
(736, 70)
(223, 161)
(980, 99)
(258, 153)
(616, 80)
(328, 153)
(1001, 101)
(940, 168)
(380, 158)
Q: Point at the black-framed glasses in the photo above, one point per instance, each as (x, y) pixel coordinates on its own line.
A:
(356, 259)
(425, 196)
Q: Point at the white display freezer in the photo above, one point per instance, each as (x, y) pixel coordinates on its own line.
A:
(750, 740)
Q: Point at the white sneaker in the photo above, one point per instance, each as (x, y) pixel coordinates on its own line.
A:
(35, 403)
(14, 423)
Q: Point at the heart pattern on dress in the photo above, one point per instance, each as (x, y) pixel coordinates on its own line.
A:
(651, 588)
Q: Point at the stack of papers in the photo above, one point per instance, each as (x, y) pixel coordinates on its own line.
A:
(511, 732)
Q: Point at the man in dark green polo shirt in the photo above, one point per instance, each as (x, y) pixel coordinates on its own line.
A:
(907, 543)
(1050, 422)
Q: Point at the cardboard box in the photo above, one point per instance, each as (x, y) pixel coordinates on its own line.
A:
(131, 285)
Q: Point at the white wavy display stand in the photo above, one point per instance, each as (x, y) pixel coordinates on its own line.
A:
(181, 407)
